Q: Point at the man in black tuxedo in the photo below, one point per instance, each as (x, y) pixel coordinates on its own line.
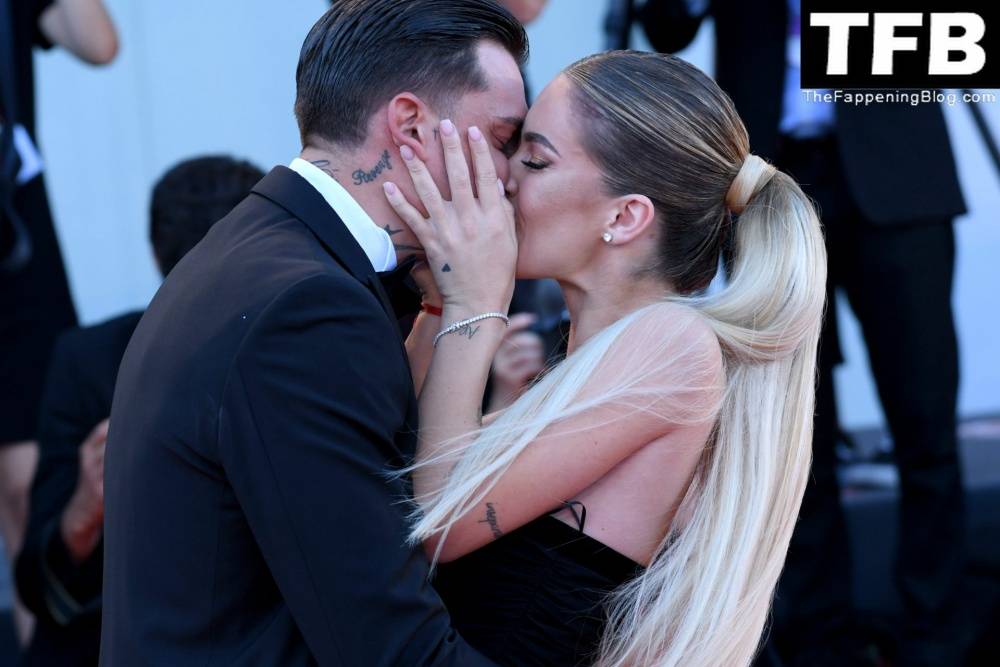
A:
(266, 392)
(59, 569)
(884, 179)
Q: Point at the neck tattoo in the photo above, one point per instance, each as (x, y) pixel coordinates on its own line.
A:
(361, 176)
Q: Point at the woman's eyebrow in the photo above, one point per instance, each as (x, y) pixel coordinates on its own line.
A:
(537, 138)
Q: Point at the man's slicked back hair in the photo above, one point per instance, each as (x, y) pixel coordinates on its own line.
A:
(362, 53)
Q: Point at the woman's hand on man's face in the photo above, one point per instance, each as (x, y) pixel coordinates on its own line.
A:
(470, 241)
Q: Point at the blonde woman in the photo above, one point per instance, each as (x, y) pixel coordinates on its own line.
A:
(634, 506)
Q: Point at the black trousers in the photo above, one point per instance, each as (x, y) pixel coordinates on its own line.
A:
(35, 307)
(898, 281)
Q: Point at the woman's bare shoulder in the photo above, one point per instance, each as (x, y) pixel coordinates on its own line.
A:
(675, 335)
(669, 361)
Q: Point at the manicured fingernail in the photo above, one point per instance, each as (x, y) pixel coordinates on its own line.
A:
(447, 128)
(503, 190)
(389, 187)
(475, 134)
(406, 152)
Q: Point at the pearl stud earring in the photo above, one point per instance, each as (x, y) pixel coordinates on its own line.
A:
(608, 237)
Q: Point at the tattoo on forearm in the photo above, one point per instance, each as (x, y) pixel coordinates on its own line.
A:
(325, 166)
(468, 331)
(361, 176)
(491, 519)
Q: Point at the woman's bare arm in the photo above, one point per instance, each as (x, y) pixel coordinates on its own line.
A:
(571, 455)
(82, 27)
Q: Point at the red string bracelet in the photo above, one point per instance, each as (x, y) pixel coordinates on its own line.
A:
(433, 310)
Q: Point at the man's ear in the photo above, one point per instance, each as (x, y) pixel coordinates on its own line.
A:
(634, 216)
(410, 122)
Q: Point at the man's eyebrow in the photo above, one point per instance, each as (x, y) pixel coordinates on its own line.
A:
(536, 138)
(516, 121)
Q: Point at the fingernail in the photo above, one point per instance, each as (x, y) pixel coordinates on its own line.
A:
(503, 190)
(406, 152)
(389, 187)
(447, 128)
(475, 134)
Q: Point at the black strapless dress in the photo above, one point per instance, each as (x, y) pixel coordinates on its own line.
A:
(536, 595)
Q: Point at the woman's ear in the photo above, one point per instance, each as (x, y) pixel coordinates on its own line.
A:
(410, 122)
(634, 216)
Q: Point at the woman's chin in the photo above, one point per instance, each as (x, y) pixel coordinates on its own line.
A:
(524, 271)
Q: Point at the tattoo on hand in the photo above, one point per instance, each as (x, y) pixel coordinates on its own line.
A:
(491, 519)
(325, 166)
(392, 232)
(361, 176)
(445, 269)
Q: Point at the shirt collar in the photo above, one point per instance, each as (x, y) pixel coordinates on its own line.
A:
(374, 241)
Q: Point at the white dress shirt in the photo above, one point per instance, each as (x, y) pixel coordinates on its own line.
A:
(374, 240)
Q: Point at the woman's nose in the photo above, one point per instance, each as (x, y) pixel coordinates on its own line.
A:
(511, 184)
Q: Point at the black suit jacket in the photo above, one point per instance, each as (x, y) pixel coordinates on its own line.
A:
(248, 519)
(66, 596)
(897, 157)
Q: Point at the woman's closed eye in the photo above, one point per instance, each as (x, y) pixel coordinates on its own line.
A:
(535, 164)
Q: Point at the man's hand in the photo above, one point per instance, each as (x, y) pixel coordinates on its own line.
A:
(524, 11)
(424, 279)
(519, 360)
(82, 519)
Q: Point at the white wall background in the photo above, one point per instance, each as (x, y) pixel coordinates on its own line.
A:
(197, 77)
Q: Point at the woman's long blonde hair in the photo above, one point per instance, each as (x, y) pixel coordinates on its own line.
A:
(658, 126)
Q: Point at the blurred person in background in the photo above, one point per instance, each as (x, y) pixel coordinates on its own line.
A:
(524, 11)
(35, 301)
(59, 570)
(884, 178)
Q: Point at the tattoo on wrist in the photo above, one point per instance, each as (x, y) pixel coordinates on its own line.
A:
(468, 331)
(361, 176)
(445, 269)
(491, 520)
(325, 166)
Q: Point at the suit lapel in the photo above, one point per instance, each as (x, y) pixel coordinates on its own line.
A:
(288, 190)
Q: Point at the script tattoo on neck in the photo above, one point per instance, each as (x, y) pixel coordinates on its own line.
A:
(361, 176)
(491, 520)
(325, 166)
(400, 247)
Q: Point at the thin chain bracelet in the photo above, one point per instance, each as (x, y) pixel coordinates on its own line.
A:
(452, 328)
